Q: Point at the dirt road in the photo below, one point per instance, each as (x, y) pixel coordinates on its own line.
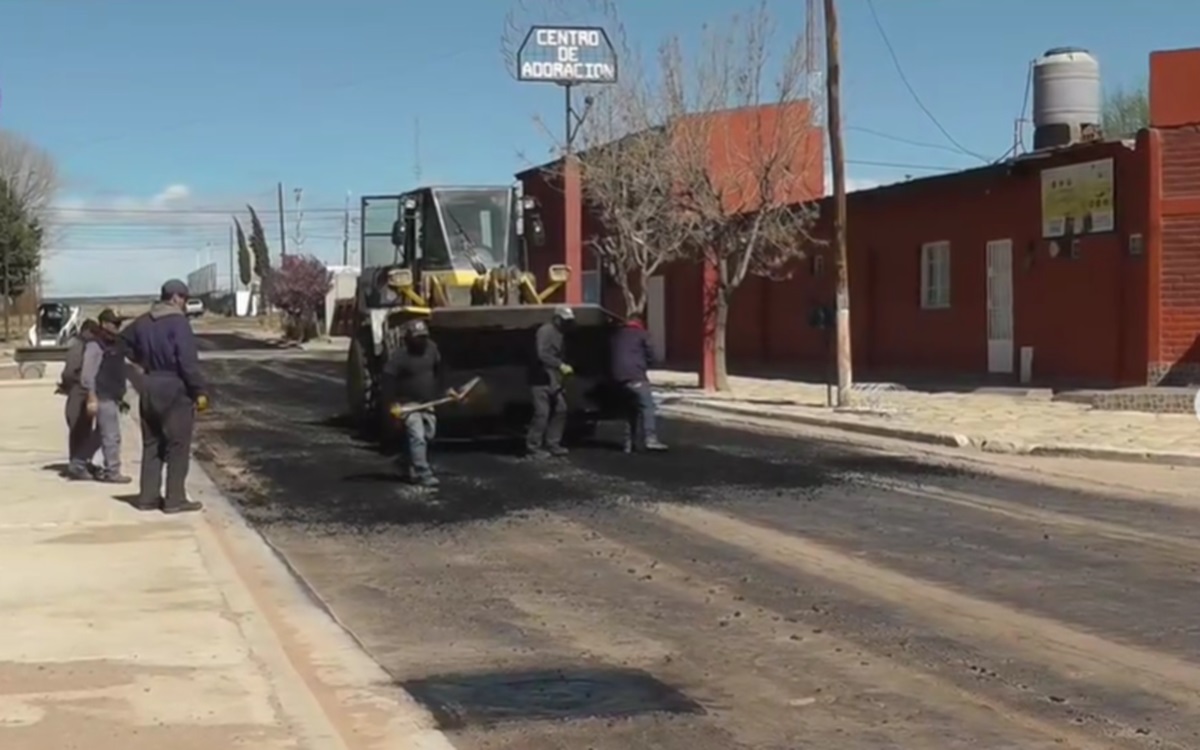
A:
(743, 591)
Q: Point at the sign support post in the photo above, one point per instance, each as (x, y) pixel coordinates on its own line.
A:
(569, 56)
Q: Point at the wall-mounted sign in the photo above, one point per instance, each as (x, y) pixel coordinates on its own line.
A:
(567, 55)
(1078, 199)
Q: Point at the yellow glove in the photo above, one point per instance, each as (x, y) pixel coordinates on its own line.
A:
(566, 369)
(396, 411)
(202, 403)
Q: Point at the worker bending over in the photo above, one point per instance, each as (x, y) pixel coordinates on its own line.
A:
(412, 378)
(548, 380)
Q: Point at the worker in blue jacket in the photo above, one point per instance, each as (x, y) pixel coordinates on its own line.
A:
(632, 357)
(162, 344)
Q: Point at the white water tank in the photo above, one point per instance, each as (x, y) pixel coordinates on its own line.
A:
(1067, 98)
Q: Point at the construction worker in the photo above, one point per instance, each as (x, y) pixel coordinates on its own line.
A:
(81, 428)
(162, 344)
(103, 378)
(412, 378)
(548, 381)
(632, 357)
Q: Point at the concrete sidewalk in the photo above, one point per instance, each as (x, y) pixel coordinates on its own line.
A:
(984, 421)
(136, 630)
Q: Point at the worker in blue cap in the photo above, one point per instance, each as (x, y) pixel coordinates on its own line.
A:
(162, 344)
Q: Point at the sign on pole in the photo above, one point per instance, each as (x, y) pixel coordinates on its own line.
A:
(567, 55)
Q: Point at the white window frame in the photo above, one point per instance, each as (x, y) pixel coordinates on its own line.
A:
(593, 287)
(935, 275)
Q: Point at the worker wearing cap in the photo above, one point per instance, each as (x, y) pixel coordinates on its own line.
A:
(413, 377)
(103, 379)
(548, 381)
(162, 344)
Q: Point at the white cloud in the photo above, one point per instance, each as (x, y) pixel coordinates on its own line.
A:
(857, 183)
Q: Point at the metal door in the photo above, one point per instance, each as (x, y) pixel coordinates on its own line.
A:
(1001, 345)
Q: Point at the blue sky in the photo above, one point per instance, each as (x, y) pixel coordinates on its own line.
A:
(159, 110)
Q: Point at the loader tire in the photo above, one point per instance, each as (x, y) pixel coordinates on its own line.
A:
(362, 389)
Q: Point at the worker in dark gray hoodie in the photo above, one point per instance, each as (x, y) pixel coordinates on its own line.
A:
(103, 378)
(173, 390)
(82, 438)
(548, 380)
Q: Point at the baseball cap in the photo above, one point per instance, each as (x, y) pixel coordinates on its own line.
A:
(108, 316)
(174, 288)
(418, 328)
(562, 312)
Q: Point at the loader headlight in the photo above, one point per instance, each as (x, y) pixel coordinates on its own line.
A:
(400, 278)
(559, 273)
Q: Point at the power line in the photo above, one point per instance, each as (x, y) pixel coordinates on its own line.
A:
(900, 139)
(912, 91)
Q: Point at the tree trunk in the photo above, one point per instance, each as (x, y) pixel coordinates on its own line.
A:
(719, 335)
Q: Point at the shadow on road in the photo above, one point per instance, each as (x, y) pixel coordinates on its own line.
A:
(232, 342)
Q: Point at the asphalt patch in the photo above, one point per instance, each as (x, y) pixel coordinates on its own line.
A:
(484, 699)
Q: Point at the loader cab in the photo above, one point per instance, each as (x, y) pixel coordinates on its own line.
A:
(448, 229)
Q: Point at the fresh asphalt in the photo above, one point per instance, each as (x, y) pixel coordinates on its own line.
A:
(742, 591)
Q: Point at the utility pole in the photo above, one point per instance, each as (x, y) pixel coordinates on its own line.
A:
(346, 232)
(282, 231)
(837, 158)
(298, 237)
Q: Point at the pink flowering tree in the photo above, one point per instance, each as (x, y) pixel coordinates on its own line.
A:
(297, 288)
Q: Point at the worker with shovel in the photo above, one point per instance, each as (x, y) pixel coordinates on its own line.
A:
(412, 386)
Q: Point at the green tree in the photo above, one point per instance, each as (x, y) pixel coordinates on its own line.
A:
(1125, 112)
(21, 236)
(245, 266)
(258, 246)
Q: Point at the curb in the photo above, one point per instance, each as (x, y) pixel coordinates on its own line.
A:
(949, 439)
(955, 440)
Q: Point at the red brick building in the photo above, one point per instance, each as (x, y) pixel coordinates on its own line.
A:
(967, 274)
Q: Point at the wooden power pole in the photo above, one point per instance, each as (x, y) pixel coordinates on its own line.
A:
(837, 158)
(282, 230)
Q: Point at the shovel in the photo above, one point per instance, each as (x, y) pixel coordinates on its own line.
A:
(460, 395)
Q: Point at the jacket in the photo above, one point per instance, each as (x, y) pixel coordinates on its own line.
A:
(103, 371)
(413, 378)
(73, 364)
(632, 354)
(162, 343)
(550, 356)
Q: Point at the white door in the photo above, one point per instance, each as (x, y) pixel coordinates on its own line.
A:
(1000, 306)
(656, 314)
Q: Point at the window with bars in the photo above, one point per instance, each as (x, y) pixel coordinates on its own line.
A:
(935, 275)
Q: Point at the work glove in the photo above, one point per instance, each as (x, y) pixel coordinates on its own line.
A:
(397, 411)
(566, 369)
(201, 403)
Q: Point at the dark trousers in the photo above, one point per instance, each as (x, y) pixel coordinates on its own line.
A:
(549, 418)
(168, 417)
(83, 440)
(641, 428)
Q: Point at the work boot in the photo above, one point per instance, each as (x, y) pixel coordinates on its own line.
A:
(79, 474)
(187, 506)
(147, 505)
(536, 453)
(557, 451)
(656, 445)
(427, 481)
(114, 478)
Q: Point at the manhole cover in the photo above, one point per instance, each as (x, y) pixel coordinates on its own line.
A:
(463, 700)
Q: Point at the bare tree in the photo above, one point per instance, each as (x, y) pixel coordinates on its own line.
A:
(743, 176)
(32, 176)
(1125, 112)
